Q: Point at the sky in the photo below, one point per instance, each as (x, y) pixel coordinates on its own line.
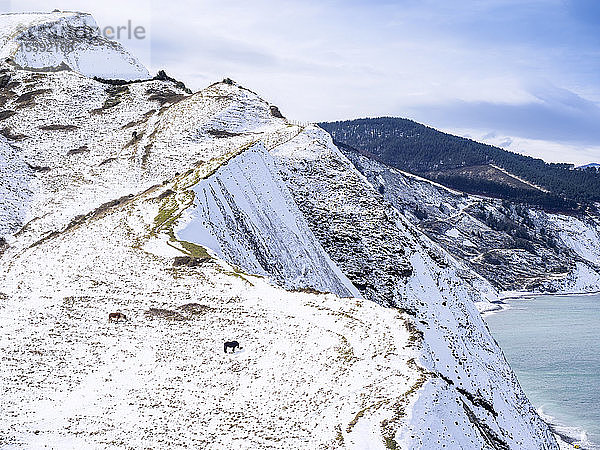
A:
(522, 74)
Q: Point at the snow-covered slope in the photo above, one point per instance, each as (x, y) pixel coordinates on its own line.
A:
(15, 180)
(583, 237)
(78, 134)
(315, 371)
(515, 247)
(145, 199)
(470, 395)
(49, 40)
(244, 213)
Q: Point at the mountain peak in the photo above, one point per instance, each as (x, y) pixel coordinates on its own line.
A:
(47, 40)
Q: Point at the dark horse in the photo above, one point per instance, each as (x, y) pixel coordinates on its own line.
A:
(232, 345)
(116, 317)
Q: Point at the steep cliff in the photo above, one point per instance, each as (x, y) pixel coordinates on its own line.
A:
(202, 217)
(515, 246)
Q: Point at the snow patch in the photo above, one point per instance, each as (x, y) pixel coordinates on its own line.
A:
(453, 233)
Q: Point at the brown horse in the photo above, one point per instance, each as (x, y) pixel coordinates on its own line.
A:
(117, 316)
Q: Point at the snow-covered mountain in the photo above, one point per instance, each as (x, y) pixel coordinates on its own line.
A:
(518, 248)
(208, 217)
(52, 40)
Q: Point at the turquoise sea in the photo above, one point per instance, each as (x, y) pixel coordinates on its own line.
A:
(553, 345)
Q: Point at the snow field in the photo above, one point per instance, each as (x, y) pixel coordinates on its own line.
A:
(309, 362)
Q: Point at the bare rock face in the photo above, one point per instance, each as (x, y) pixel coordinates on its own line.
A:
(189, 261)
(275, 111)
(394, 264)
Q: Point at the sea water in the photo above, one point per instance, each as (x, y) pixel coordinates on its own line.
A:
(553, 345)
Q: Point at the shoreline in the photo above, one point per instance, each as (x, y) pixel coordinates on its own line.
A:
(502, 305)
(514, 295)
(563, 438)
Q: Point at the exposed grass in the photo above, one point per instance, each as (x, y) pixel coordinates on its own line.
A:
(194, 176)
(171, 207)
(76, 151)
(356, 419)
(164, 96)
(339, 435)
(345, 314)
(114, 97)
(195, 250)
(196, 309)
(167, 214)
(409, 311)
(146, 154)
(167, 314)
(170, 210)
(345, 351)
(239, 275)
(141, 121)
(362, 412)
(308, 290)
(180, 198)
(58, 127)
(390, 443)
(28, 98)
(389, 426)
(6, 114)
(415, 337)
(8, 134)
(133, 140)
(107, 161)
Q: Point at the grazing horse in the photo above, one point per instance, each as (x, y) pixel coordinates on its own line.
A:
(116, 317)
(232, 345)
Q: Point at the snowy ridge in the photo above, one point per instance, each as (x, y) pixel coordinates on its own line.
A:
(45, 41)
(470, 394)
(309, 363)
(162, 204)
(77, 133)
(213, 121)
(245, 214)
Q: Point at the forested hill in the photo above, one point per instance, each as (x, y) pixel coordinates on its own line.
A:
(467, 165)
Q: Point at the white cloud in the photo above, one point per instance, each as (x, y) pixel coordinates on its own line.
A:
(549, 151)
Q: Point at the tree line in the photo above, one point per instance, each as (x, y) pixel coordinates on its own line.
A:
(416, 148)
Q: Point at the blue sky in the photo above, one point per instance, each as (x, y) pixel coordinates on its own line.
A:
(521, 73)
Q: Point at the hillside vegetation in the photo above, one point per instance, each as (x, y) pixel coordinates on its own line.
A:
(416, 148)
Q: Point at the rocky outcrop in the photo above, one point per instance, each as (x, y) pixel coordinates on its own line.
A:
(392, 263)
(246, 215)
